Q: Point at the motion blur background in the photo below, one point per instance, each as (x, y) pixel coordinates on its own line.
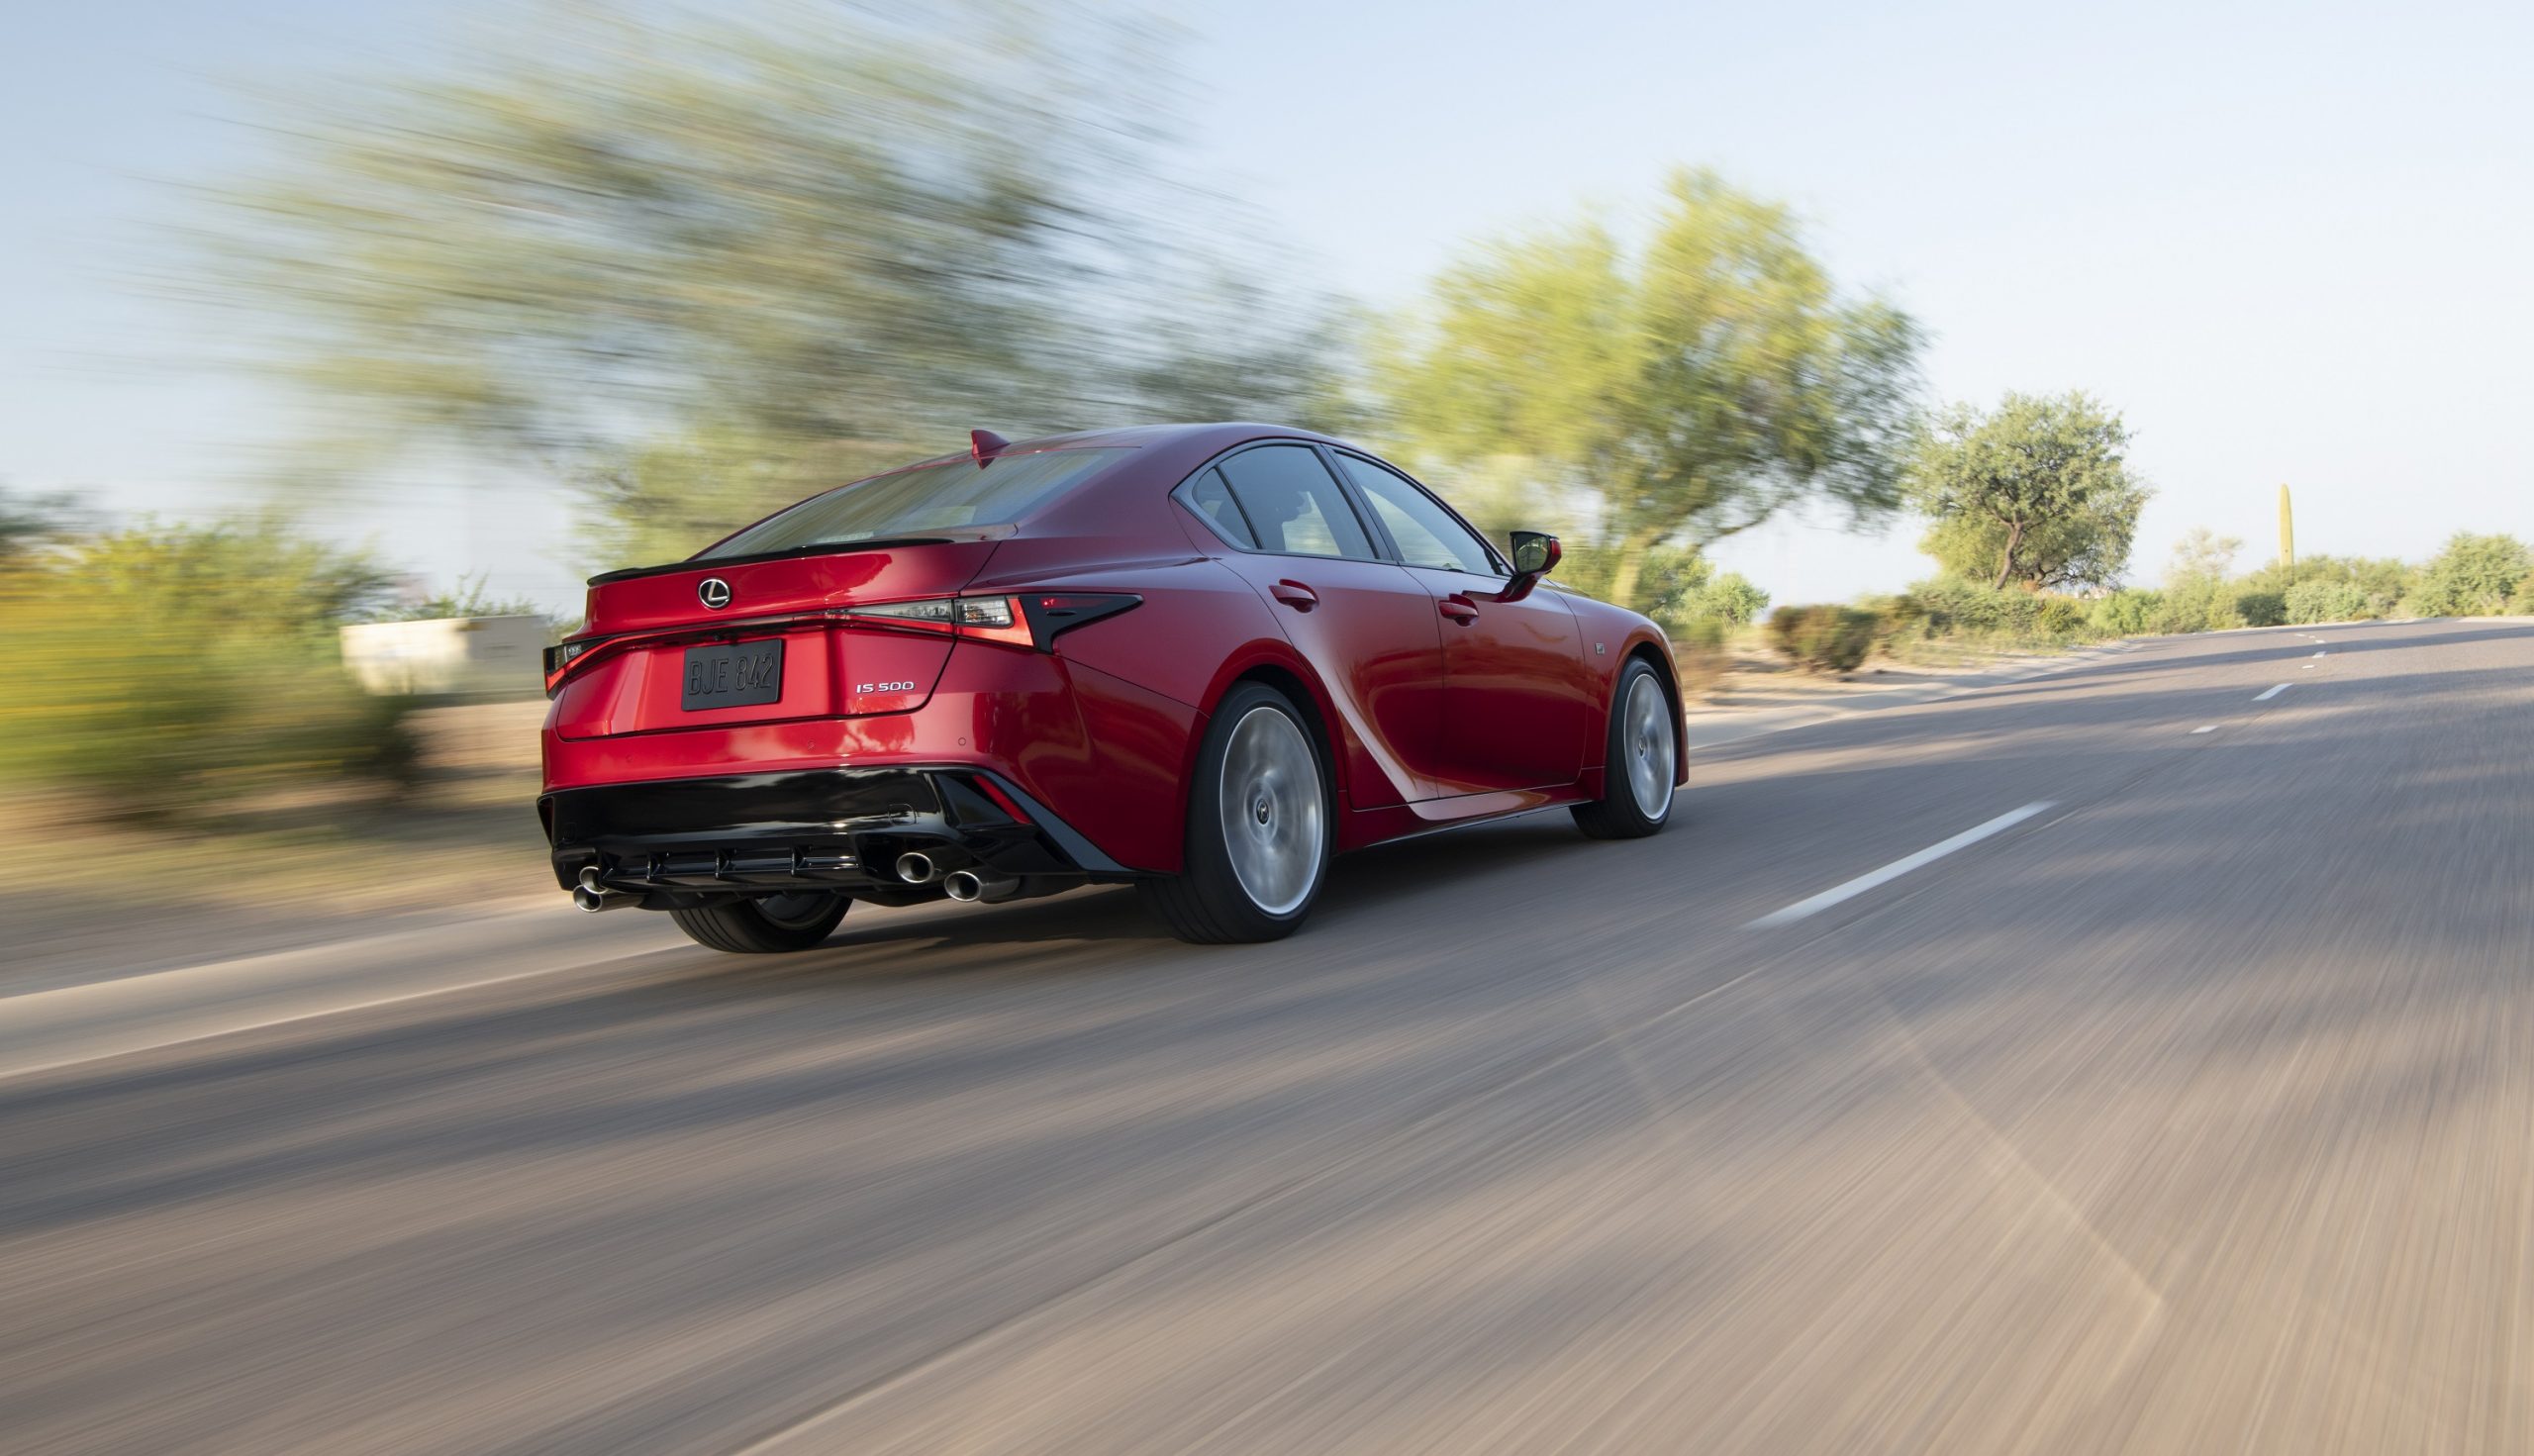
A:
(325, 316)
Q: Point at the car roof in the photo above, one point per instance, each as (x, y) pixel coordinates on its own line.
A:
(1212, 436)
(1162, 453)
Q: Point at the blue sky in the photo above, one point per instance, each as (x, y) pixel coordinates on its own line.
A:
(2289, 243)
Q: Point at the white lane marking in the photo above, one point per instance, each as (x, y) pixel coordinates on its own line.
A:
(2205, 727)
(1896, 868)
(2318, 654)
(2273, 692)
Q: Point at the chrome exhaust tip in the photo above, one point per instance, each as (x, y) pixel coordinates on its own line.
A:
(969, 885)
(594, 900)
(589, 880)
(915, 867)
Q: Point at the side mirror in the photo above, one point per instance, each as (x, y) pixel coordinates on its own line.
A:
(1535, 555)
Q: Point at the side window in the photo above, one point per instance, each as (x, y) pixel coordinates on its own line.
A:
(1428, 534)
(1293, 505)
(1212, 500)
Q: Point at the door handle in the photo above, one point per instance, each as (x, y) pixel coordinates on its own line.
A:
(1459, 608)
(1295, 595)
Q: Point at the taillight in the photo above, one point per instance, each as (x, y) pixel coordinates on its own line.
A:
(559, 659)
(993, 619)
(1029, 620)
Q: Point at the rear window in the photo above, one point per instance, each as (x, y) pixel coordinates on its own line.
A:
(927, 497)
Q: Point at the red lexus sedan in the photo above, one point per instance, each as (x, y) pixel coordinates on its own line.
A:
(1200, 658)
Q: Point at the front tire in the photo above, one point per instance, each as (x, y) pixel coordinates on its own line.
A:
(1641, 759)
(1261, 819)
(767, 926)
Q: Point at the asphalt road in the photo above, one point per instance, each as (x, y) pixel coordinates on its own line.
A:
(2190, 1112)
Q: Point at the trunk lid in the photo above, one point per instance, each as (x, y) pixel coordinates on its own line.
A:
(810, 580)
(660, 634)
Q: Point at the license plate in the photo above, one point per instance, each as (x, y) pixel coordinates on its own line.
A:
(734, 676)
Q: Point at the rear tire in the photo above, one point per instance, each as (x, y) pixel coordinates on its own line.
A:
(775, 923)
(1640, 760)
(1261, 819)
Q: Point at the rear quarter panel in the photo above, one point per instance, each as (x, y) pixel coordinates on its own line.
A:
(1200, 629)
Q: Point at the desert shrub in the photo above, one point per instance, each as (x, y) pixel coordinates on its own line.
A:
(1895, 618)
(2520, 603)
(2195, 604)
(2129, 612)
(1824, 638)
(1953, 607)
(165, 667)
(1703, 633)
(2015, 614)
(1684, 591)
(2327, 601)
(2060, 617)
(1676, 586)
(2380, 580)
(2262, 609)
(1939, 607)
(2473, 576)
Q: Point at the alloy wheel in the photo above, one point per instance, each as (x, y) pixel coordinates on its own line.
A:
(1273, 818)
(1649, 745)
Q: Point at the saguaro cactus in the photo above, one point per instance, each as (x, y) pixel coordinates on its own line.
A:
(2287, 533)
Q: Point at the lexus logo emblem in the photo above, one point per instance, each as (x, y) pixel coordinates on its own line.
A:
(714, 591)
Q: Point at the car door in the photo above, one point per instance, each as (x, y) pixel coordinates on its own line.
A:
(1518, 697)
(1369, 629)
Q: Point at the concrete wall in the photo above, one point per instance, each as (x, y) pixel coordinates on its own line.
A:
(451, 656)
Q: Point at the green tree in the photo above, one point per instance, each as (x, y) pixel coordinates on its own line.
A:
(2473, 576)
(1727, 596)
(1678, 588)
(2036, 494)
(28, 522)
(676, 260)
(1675, 393)
(2201, 556)
(2198, 595)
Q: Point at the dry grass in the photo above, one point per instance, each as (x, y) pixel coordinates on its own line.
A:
(1698, 670)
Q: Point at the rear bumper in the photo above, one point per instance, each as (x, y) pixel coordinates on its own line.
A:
(1106, 756)
(833, 829)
